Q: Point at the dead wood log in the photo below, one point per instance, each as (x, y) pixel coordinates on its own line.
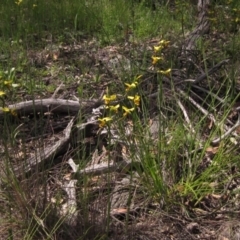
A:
(44, 156)
(53, 105)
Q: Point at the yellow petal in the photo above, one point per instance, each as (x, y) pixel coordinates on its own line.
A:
(156, 59)
(108, 99)
(131, 86)
(5, 109)
(157, 48)
(137, 100)
(166, 72)
(113, 97)
(103, 121)
(2, 93)
(164, 43)
(7, 83)
(130, 97)
(127, 110)
(113, 108)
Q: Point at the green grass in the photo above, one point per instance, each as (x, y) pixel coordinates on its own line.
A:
(176, 171)
(104, 19)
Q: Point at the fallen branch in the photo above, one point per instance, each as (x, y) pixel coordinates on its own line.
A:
(211, 71)
(43, 157)
(185, 115)
(102, 168)
(227, 133)
(53, 105)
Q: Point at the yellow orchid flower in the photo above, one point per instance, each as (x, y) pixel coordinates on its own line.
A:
(103, 121)
(157, 48)
(108, 99)
(113, 108)
(136, 99)
(127, 111)
(2, 93)
(8, 83)
(164, 43)
(131, 86)
(18, 2)
(8, 110)
(156, 59)
(5, 109)
(166, 72)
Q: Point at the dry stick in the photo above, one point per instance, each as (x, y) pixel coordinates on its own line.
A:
(210, 93)
(207, 114)
(102, 168)
(73, 165)
(45, 155)
(229, 131)
(214, 95)
(211, 71)
(185, 115)
(202, 100)
(203, 76)
(56, 91)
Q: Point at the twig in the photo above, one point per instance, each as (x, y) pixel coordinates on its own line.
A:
(56, 91)
(229, 131)
(43, 156)
(205, 112)
(210, 93)
(73, 165)
(102, 168)
(185, 115)
(211, 71)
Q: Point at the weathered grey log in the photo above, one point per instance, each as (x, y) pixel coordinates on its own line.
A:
(46, 155)
(54, 106)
